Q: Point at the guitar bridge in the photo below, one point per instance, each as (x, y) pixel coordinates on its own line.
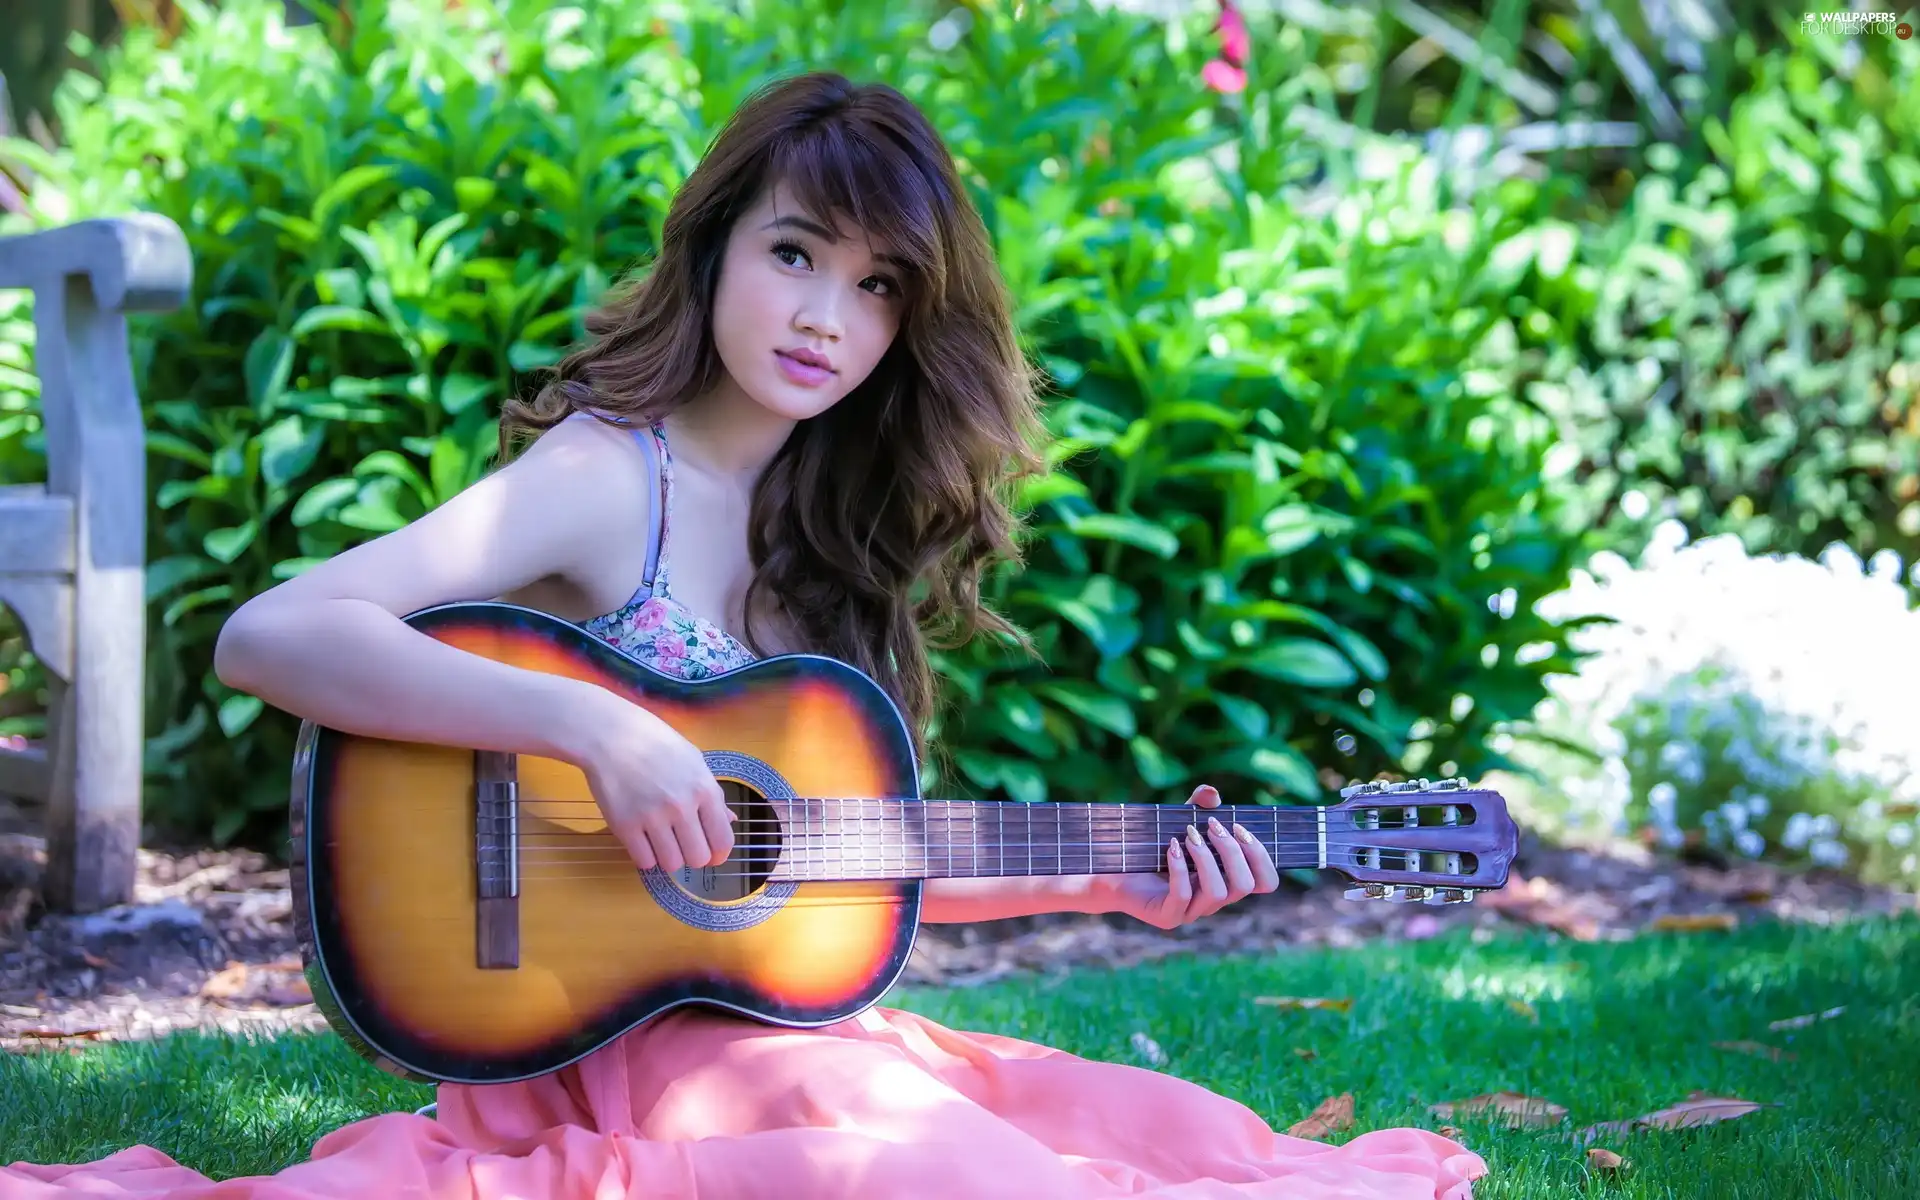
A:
(496, 858)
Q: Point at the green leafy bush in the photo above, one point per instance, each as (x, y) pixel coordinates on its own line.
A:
(1750, 358)
(1298, 517)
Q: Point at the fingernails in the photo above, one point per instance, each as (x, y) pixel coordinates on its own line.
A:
(1193, 835)
(1215, 827)
(1243, 833)
(1173, 848)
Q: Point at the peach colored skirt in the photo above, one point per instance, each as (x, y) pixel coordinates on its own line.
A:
(700, 1106)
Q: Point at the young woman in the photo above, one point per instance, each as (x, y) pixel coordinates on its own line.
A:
(794, 434)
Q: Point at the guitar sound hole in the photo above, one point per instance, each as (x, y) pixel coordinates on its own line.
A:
(756, 850)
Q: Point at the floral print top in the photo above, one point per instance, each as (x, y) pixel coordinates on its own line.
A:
(655, 628)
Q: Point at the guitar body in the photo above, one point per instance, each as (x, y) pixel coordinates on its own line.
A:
(391, 863)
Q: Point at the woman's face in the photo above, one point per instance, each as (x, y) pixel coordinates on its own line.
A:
(800, 319)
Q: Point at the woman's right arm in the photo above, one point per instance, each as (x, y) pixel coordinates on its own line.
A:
(329, 645)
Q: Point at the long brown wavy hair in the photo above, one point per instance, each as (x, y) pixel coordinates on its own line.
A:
(874, 524)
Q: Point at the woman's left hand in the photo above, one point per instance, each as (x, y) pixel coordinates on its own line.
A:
(1226, 864)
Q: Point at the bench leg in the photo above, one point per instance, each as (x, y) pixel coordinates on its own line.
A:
(93, 801)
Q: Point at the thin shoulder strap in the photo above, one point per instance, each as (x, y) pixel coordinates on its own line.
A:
(653, 446)
(655, 579)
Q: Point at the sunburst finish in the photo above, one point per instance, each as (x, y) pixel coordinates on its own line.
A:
(384, 837)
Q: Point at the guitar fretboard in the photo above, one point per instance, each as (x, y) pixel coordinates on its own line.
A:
(932, 839)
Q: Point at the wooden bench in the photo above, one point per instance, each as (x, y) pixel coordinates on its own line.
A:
(73, 552)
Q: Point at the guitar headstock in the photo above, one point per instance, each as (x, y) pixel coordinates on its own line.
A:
(1437, 842)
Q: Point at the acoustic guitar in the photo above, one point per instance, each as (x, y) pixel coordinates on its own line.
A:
(467, 916)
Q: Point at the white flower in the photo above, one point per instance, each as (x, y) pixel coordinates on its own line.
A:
(1749, 843)
(1899, 835)
(1827, 853)
(1661, 797)
(1799, 829)
(1782, 675)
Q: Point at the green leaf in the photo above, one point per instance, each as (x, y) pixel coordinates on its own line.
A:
(1023, 781)
(166, 574)
(237, 712)
(472, 192)
(1301, 661)
(337, 318)
(1245, 715)
(178, 449)
(351, 183)
(1289, 529)
(220, 593)
(458, 393)
(1157, 768)
(447, 469)
(225, 545)
(287, 568)
(1094, 705)
(1134, 531)
(228, 825)
(531, 356)
(1272, 762)
(982, 769)
(1021, 710)
(288, 448)
(268, 363)
(322, 499)
(1363, 652)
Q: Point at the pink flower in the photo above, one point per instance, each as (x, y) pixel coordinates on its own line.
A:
(648, 618)
(1223, 78)
(1228, 72)
(670, 646)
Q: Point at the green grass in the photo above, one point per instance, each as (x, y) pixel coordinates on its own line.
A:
(1623, 1029)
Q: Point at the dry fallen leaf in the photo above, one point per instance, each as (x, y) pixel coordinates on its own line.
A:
(1420, 927)
(1450, 1131)
(1344, 1004)
(1525, 1010)
(88, 1031)
(1700, 1109)
(94, 960)
(226, 984)
(1303, 1052)
(285, 995)
(1512, 1107)
(1540, 901)
(1333, 1114)
(1757, 1049)
(1605, 1162)
(1802, 1022)
(1694, 922)
(1697, 1109)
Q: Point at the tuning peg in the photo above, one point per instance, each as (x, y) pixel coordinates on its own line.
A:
(1450, 896)
(1369, 891)
(1411, 893)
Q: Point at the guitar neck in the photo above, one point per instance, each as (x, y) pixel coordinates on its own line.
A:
(935, 839)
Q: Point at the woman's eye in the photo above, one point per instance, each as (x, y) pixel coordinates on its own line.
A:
(782, 251)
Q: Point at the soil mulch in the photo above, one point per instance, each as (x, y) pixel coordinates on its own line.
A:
(208, 942)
